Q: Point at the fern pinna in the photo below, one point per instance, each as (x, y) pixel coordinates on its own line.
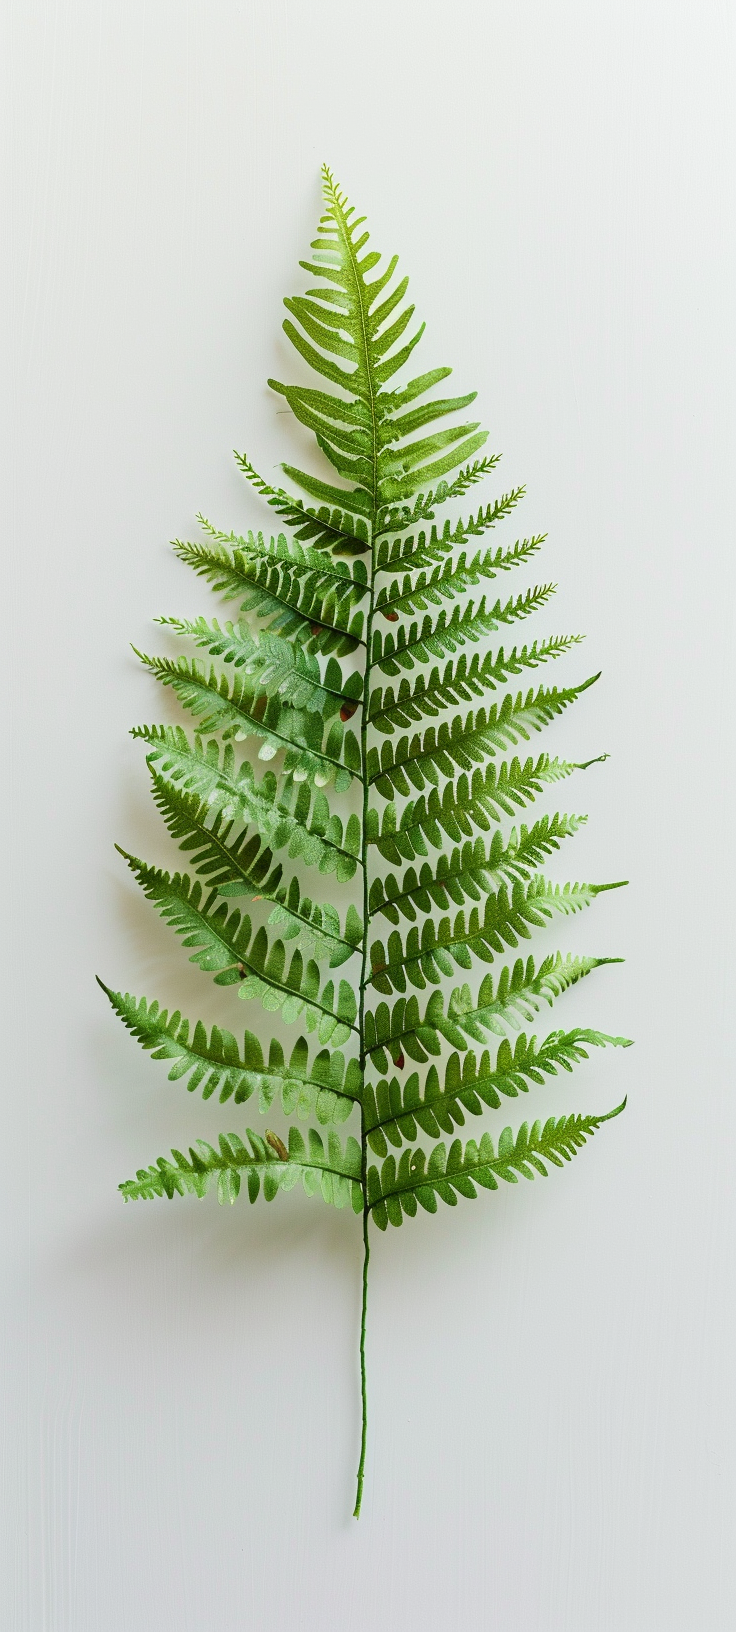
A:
(372, 676)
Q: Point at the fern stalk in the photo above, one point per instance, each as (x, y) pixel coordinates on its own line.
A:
(358, 554)
(361, 1011)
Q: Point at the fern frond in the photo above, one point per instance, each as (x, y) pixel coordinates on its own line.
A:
(370, 567)
(343, 321)
(396, 1115)
(462, 743)
(419, 1179)
(227, 948)
(394, 430)
(327, 1088)
(470, 872)
(301, 559)
(348, 428)
(290, 818)
(353, 498)
(333, 1173)
(520, 991)
(437, 638)
(403, 469)
(470, 476)
(236, 709)
(508, 917)
(318, 924)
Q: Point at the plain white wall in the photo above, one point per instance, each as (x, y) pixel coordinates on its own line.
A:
(551, 1370)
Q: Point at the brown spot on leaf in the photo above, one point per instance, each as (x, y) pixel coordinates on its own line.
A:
(391, 617)
(347, 711)
(399, 1062)
(277, 1145)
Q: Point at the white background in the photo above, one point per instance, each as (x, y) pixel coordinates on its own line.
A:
(551, 1370)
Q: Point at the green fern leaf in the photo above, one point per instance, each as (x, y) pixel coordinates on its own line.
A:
(518, 995)
(413, 552)
(520, 992)
(509, 917)
(296, 915)
(470, 476)
(333, 1173)
(397, 1192)
(300, 592)
(240, 866)
(347, 534)
(370, 671)
(477, 801)
(289, 818)
(284, 671)
(327, 1088)
(397, 518)
(449, 579)
(233, 865)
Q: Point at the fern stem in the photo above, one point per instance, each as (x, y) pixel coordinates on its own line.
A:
(363, 1381)
(361, 1023)
(371, 392)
